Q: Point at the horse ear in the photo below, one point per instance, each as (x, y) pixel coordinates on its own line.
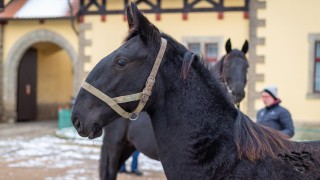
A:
(129, 17)
(228, 46)
(146, 30)
(245, 47)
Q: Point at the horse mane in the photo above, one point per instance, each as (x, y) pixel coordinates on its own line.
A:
(255, 141)
(186, 63)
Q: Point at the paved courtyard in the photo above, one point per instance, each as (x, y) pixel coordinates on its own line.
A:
(32, 150)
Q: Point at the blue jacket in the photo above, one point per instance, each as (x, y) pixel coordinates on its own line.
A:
(276, 117)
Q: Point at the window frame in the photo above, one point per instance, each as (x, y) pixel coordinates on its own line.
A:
(316, 60)
(214, 60)
(204, 40)
(190, 44)
(312, 93)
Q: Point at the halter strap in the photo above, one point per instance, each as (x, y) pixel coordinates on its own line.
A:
(142, 96)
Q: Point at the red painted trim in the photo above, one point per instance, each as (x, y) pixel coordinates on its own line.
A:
(185, 16)
(103, 18)
(158, 17)
(81, 19)
(317, 59)
(211, 59)
(220, 15)
(246, 15)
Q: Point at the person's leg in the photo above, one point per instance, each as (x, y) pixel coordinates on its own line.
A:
(134, 164)
(123, 168)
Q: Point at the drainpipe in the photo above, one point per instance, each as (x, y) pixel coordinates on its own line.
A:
(1, 72)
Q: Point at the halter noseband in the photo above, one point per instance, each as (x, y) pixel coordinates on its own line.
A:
(142, 96)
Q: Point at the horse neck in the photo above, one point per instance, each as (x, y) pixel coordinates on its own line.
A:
(192, 120)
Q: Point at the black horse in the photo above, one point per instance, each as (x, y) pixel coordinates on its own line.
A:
(199, 132)
(232, 70)
(122, 137)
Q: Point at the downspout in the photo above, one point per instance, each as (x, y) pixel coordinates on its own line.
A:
(1, 72)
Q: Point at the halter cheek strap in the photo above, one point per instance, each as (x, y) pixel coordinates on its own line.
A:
(142, 96)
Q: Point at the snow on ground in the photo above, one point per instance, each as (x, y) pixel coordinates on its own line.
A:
(55, 152)
(45, 151)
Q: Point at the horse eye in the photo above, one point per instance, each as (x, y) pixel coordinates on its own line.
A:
(121, 62)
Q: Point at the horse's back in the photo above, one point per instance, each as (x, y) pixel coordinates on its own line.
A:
(312, 143)
(300, 160)
(306, 146)
(304, 156)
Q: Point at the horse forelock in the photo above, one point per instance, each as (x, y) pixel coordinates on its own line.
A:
(236, 54)
(131, 33)
(148, 32)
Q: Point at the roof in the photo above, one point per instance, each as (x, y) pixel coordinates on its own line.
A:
(39, 9)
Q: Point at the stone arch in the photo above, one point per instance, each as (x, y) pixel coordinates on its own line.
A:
(13, 60)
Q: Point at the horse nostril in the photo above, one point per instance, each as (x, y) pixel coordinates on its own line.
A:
(76, 122)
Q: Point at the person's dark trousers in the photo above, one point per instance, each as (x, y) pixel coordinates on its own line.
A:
(134, 164)
(123, 168)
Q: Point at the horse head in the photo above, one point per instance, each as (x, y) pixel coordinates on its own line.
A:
(234, 70)
(123, 72)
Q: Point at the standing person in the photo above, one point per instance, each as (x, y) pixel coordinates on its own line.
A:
(134, 165)
(273, 115)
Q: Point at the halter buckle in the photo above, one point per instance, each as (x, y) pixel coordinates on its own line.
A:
(134, 116)
(150, 82)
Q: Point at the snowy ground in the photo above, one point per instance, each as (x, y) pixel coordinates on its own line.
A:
(33, 151)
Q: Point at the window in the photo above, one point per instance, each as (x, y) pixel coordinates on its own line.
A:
(314, 66)
(211, 52)
(317, 67)
(207, 47)
(195, 48)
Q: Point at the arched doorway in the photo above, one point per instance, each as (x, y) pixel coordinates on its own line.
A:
(45, 82)
(45, 41)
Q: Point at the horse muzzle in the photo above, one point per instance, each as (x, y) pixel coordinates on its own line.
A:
(79, 127)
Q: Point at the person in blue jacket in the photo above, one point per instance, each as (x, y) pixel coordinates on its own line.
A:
(273, 115)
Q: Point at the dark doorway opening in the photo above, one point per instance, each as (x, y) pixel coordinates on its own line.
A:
(27, 86)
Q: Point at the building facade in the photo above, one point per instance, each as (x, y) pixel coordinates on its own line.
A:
(284, 46)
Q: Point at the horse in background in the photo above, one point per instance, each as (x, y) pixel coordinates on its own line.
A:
(232, 69)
